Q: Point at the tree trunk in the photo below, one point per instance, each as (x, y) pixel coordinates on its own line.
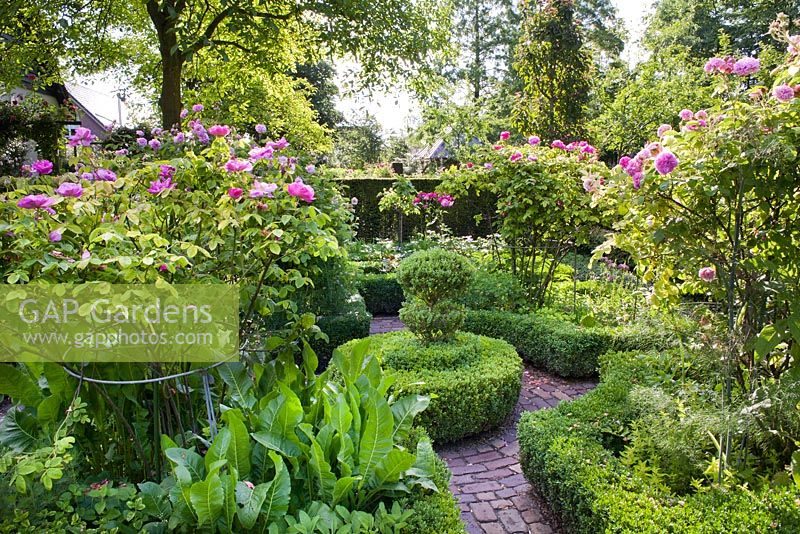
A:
(171, 64)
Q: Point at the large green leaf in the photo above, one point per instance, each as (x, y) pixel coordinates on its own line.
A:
(154, 500)
(56, 380)
(322, 477)
(275, 442)
(187, 458)
(235, 375)
(376, 436)
(342, 489)
(422, 470)
(229, 508)
(239, 450)
(251, 499)
(277, 502)
(19, 431)
(391, 467)
(219, 448)
(49, 409)
(19, 386)
(404, 411)
(207, 498)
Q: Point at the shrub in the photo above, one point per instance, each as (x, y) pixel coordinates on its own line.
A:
(560, 346)
(351, 323)
(382, 293)
(433, 277)
(569, 453)
(493, 290)
(476, 380)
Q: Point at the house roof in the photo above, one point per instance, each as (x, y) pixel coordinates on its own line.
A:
(101, 107)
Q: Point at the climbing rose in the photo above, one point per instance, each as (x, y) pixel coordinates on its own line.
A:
(55, 236)
(235, 192)
(219, 130)
(782, 93)
(81, 137)
(42, 166)
(714, 64)
(280, 144)
(179, 138)
(446, 201)
(238, 165)
(516, 156)
(141, 141)
(163, 267)
(707, 274)
(589, 184)
(666, 162)
(558, 143)
(637, 179)
(261, 128)
(532, 157)
(261, 153)
(504, 135)
(623, 161)
(166, 171)
(746, 66)
(488, 165)
(197, 108)
(33, 202)
(262, 189)
(69, 189)
(534, 140)
(664, 128)
(310, 168)
(701, 115)
(686, 114)
(155, 144)
(300, 190)
(184, 113)
(121, 152)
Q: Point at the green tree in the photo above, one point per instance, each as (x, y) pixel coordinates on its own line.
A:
(555, 68)
(322, 91)
(358, 143)
(388, 37)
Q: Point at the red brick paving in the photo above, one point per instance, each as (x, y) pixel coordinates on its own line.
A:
(487, 478)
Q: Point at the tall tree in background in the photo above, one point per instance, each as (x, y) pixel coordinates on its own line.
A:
(323, 91)
(388, 37)
(555, 68)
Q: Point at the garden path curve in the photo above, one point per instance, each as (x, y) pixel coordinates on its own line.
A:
(487, 478)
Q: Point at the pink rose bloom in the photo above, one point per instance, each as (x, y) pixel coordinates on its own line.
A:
(516, 156)
(589, 185)
(263, 189)
(488, 166)
(746, 66)
(163, 267)
(42, 166)
(162, 184)
(300, 190)
(310, 168)
(179, 138)
(261, 153)
(219, 130)
(445, 201)
(69, 189)
(184, 113)
(707, 274)
(280, 144)
(686, 114)
(702, 123)
(121, 152)
(470, 164)
(701, 115)
(155, 144)
(558, 143)
(664, 128)
(197, 108)
(86, 255)
(105, 175)
(782, 93)
(141, 141)
(81, 137)
(637, 179)
(497, 147)
(666, 162)
(624, 161)
(55, 236)
(532, 157)
(33, 202)
(238, 165)
(504, 135)
(235, 192)
(713, 64)
(534, 140)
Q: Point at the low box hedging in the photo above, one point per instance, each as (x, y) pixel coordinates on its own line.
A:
(560, 346)
(476, 380)
(568, 453)
(382, 293)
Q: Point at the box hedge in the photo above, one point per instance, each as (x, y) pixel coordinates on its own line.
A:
(382, 293)
(560, 346)
(568, 453)
(352, 322)
(476, 380)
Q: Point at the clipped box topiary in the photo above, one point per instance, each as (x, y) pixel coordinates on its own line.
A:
(474, 380)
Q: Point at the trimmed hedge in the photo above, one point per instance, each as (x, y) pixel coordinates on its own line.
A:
(382, 293)
(560, 346)
(476, 380)
(567, 455)
(353, 323)
(375, 224)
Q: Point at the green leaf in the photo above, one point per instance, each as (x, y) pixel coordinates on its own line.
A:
(239, 450)
(207, 498)
(154, 500)
(376, 436)
(404, 410)
(796, 467)
(219, 449)
(277, 502)
(19, 386)
(275, 442)
(322, 477)
(235, 375)
(251, 500)
(342, 489)
(229, 508)
(49, 409)
(18, 431)
(187, 458)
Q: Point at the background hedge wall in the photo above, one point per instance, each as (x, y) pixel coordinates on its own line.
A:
(374, 224)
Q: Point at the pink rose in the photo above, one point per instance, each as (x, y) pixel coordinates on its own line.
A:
(300, 190)
(504, 135)
(707, 274)
(219, 130)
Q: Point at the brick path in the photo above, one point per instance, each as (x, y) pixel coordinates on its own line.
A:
(487, 478)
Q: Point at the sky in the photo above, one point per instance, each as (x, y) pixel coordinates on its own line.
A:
(397, 112)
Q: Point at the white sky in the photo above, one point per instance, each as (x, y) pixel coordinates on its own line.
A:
(396, 110)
